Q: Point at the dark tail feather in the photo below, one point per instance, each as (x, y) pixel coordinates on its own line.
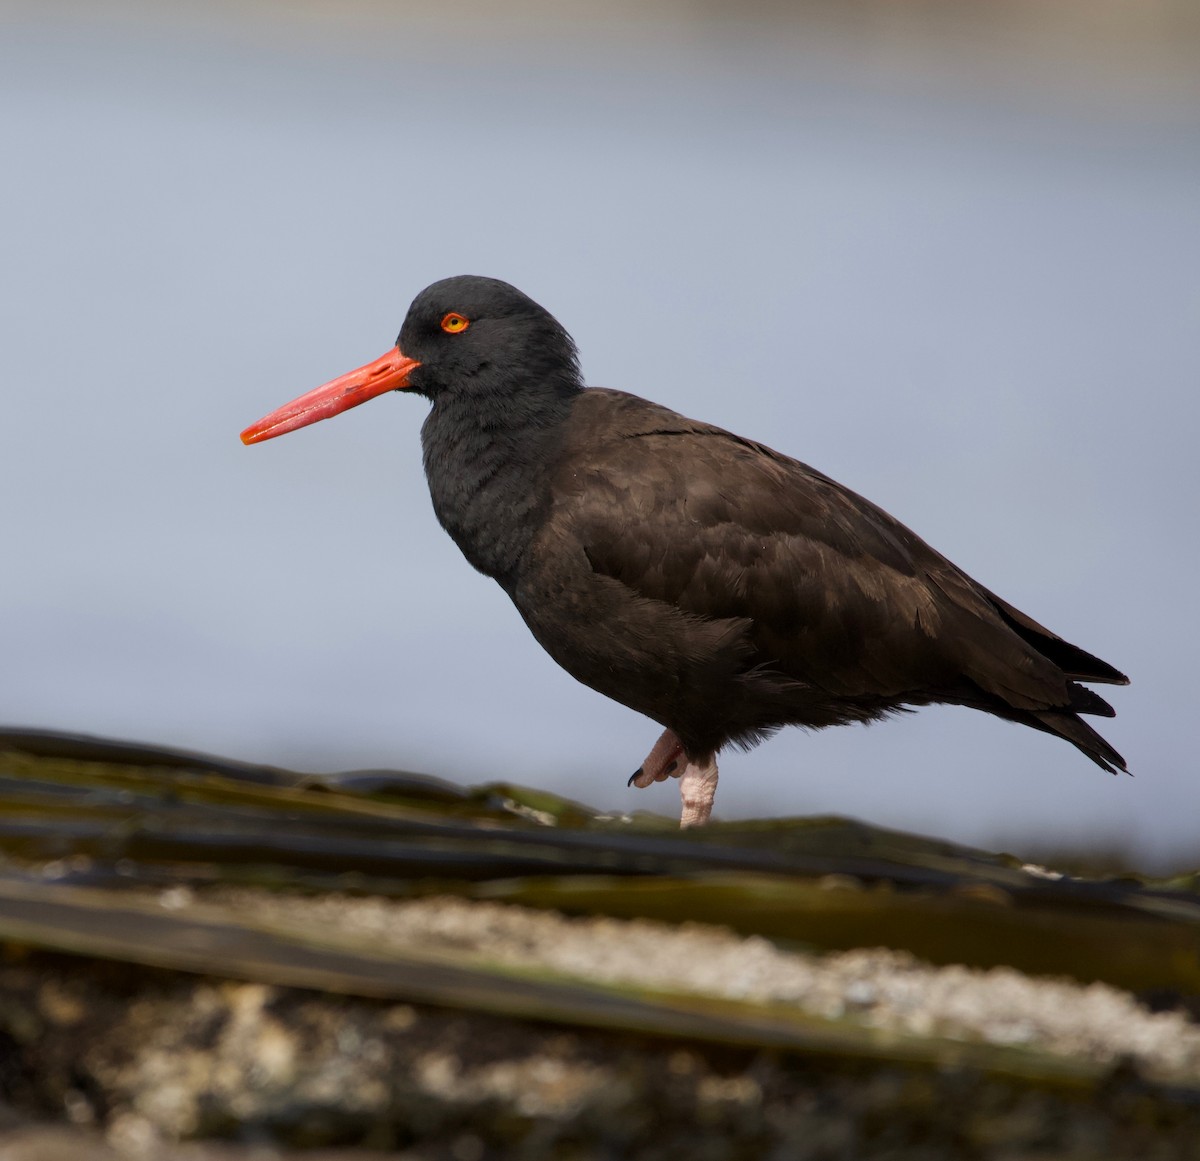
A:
(1080, 735)
(1088, 701)
(1076, 663)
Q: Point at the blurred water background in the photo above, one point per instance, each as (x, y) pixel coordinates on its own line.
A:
(947, 253)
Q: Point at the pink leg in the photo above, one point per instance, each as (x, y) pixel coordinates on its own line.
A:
(697, 789)
(697, 779)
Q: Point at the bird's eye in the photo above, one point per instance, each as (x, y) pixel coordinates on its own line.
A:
(454, 322)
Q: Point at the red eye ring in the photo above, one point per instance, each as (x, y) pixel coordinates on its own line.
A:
(455, 323)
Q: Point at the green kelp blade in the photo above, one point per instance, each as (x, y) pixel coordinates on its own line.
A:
(208, 940)
(977, 926)
(108, 812)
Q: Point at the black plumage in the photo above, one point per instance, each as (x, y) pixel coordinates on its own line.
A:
(705, 580)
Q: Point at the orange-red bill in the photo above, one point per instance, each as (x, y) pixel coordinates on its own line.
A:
(388, 373)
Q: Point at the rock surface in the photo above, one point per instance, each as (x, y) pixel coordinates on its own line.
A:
(139, 1060)
(207, 961)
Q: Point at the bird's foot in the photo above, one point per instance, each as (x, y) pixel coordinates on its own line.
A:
(666, 760)
(697, 779)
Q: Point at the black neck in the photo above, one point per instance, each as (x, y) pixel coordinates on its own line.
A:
(487, 463)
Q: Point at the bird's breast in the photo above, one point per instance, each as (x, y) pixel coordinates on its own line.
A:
(489, 493)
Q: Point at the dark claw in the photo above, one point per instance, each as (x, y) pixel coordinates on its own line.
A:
(634, 776)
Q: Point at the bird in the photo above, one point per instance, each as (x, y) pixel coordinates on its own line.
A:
(717, 586)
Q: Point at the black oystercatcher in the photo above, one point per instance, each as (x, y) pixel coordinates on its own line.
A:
(716, 586)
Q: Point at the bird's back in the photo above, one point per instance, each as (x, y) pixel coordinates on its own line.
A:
(737, 590)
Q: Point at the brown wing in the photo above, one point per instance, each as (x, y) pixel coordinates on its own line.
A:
(840, 595)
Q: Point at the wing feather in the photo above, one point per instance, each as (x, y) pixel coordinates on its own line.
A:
(838, 593)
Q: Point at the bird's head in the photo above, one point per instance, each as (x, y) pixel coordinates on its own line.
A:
(463, 336)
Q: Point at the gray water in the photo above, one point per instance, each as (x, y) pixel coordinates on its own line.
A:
(977, 306)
